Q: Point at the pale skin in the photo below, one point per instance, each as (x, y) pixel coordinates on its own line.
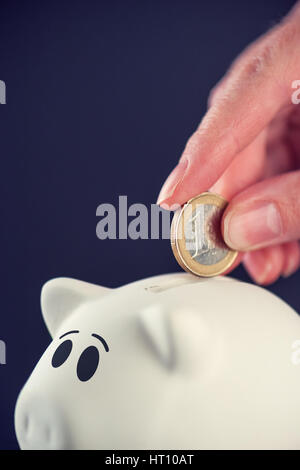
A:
(247, 148)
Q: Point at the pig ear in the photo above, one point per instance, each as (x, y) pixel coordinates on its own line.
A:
(156, 328)
(59, 297)
(182, 340)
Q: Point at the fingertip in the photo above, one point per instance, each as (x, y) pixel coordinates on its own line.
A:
(166, 195)
(292, 258)
(265, 265)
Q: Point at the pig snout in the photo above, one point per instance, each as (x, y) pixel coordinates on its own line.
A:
(39, 424)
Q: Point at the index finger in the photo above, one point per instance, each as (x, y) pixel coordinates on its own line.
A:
(256, 88)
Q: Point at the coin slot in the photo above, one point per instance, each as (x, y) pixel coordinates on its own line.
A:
(155, 289)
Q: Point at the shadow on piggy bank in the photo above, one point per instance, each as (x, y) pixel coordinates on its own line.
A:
(169, 362)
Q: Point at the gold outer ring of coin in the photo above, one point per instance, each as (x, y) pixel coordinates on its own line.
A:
(180, 252)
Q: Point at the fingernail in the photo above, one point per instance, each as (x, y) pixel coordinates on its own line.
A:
(172, 182)
(252, 227)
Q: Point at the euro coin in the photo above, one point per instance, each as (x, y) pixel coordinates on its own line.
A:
(196, 237)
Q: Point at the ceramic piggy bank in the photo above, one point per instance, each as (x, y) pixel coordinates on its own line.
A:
(170, 362)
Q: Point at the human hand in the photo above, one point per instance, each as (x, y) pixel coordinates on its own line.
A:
(247, 148)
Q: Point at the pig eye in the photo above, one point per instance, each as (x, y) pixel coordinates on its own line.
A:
(87, 363)
(62, 353)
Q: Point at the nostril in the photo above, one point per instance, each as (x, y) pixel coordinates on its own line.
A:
(26, 423)
(48, 433)
(35, 429)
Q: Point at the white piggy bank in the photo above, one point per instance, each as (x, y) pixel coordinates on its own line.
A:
(170, 362)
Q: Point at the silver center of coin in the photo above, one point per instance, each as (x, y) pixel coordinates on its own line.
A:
(203, 238)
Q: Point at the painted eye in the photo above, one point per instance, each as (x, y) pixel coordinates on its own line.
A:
(62, 353)
(87, 363)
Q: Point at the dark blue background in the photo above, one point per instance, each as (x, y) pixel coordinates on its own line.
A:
(101, 97)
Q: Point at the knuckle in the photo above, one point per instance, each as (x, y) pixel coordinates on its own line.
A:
(260, 62)
(277, 46)
(290, 206)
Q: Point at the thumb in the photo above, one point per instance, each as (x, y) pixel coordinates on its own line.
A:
(265, 214)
